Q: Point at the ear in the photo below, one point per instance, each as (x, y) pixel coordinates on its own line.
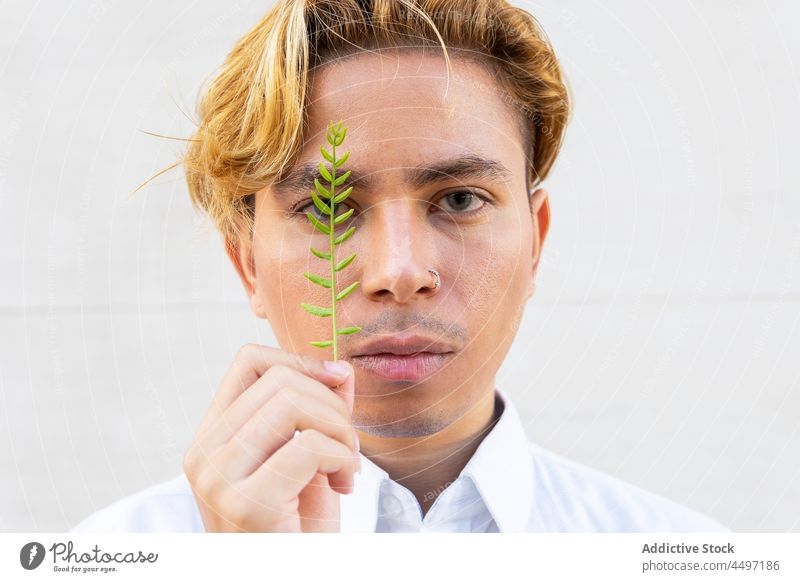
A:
(540, 215)
(240, 252)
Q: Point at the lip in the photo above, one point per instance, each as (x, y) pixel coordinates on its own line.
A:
(403, 357)
(412, 367)
(404, 345)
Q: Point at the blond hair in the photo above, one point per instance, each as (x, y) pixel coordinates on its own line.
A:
(252, 115)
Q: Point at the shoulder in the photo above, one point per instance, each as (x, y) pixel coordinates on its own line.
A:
(169, 506)
(575, 497)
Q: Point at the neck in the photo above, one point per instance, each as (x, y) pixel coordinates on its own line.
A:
(427, 465)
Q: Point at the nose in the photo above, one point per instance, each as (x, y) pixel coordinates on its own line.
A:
(398, 251)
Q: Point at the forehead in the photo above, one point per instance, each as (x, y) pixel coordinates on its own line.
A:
(394, 95)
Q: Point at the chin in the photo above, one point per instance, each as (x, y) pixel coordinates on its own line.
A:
(404, 409)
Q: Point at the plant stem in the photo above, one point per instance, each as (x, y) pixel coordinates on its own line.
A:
(333, 251)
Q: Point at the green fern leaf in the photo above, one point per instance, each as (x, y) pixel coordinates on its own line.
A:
(326, 154)
(325, 173)
(341, 179)
(323, 228)
(315, 310)
(340, 137)
(341, 160)
(323, 191)
(344, 236)
(345, 262)
(318, 280)
(347, 291)
(321, 255)
(348, 330)
(324, 208)
(343, 195)
(342, 217)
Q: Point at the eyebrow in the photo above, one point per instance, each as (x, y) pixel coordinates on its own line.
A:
(463, 167)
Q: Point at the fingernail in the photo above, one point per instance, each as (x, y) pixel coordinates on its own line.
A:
(337, 368)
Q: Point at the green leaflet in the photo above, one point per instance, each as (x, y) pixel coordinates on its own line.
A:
(321, 255)
(343, 195)
(322, 190)
(342, 217)
(344, 236)
(325, 154)
(325, 174)
(344, 263)
(323, 228)
(341, 160)
(318, 280)
(348, 330)
(314, 310)
(325, 199)
(324, 208)
(340, 180)
(340, 138)
(347, 291)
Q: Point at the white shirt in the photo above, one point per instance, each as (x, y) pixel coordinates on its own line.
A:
(509, 485)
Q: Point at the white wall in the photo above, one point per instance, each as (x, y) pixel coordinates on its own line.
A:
(662, 345)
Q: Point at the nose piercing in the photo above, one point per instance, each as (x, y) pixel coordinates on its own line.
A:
(436, 274)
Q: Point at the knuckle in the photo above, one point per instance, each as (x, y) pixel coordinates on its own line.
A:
(250, 432)
(308, 364)
(285, 400)
(206, 477)
(236, 506)
(309, 439)
(246, 352)
(204, 483)
(193, 459)
(249, 397)
(279, 373)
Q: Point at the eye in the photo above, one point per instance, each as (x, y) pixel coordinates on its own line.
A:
(299, 211)
(460, 203)
(462, 200)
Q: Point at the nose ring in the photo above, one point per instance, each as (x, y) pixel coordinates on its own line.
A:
(438, 280)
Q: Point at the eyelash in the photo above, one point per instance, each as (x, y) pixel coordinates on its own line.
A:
(296, 212)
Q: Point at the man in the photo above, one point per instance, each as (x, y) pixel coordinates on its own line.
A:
(454, 118)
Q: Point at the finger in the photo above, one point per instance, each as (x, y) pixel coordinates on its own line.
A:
(262, 391)
(249, 364)
(294, 465)
(275, 424)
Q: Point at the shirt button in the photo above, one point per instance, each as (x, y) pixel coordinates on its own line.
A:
(391, 505)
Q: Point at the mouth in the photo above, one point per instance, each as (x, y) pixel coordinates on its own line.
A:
(408, 367)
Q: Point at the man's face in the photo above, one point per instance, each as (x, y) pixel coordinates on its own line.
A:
(485, 246)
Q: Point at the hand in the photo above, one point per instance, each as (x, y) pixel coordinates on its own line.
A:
(249, 471)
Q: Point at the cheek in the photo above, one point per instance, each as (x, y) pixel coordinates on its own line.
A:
(280, 261)
(281, 257)
(496, 284)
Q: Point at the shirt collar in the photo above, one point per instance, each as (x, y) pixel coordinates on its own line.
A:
(501, 469)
